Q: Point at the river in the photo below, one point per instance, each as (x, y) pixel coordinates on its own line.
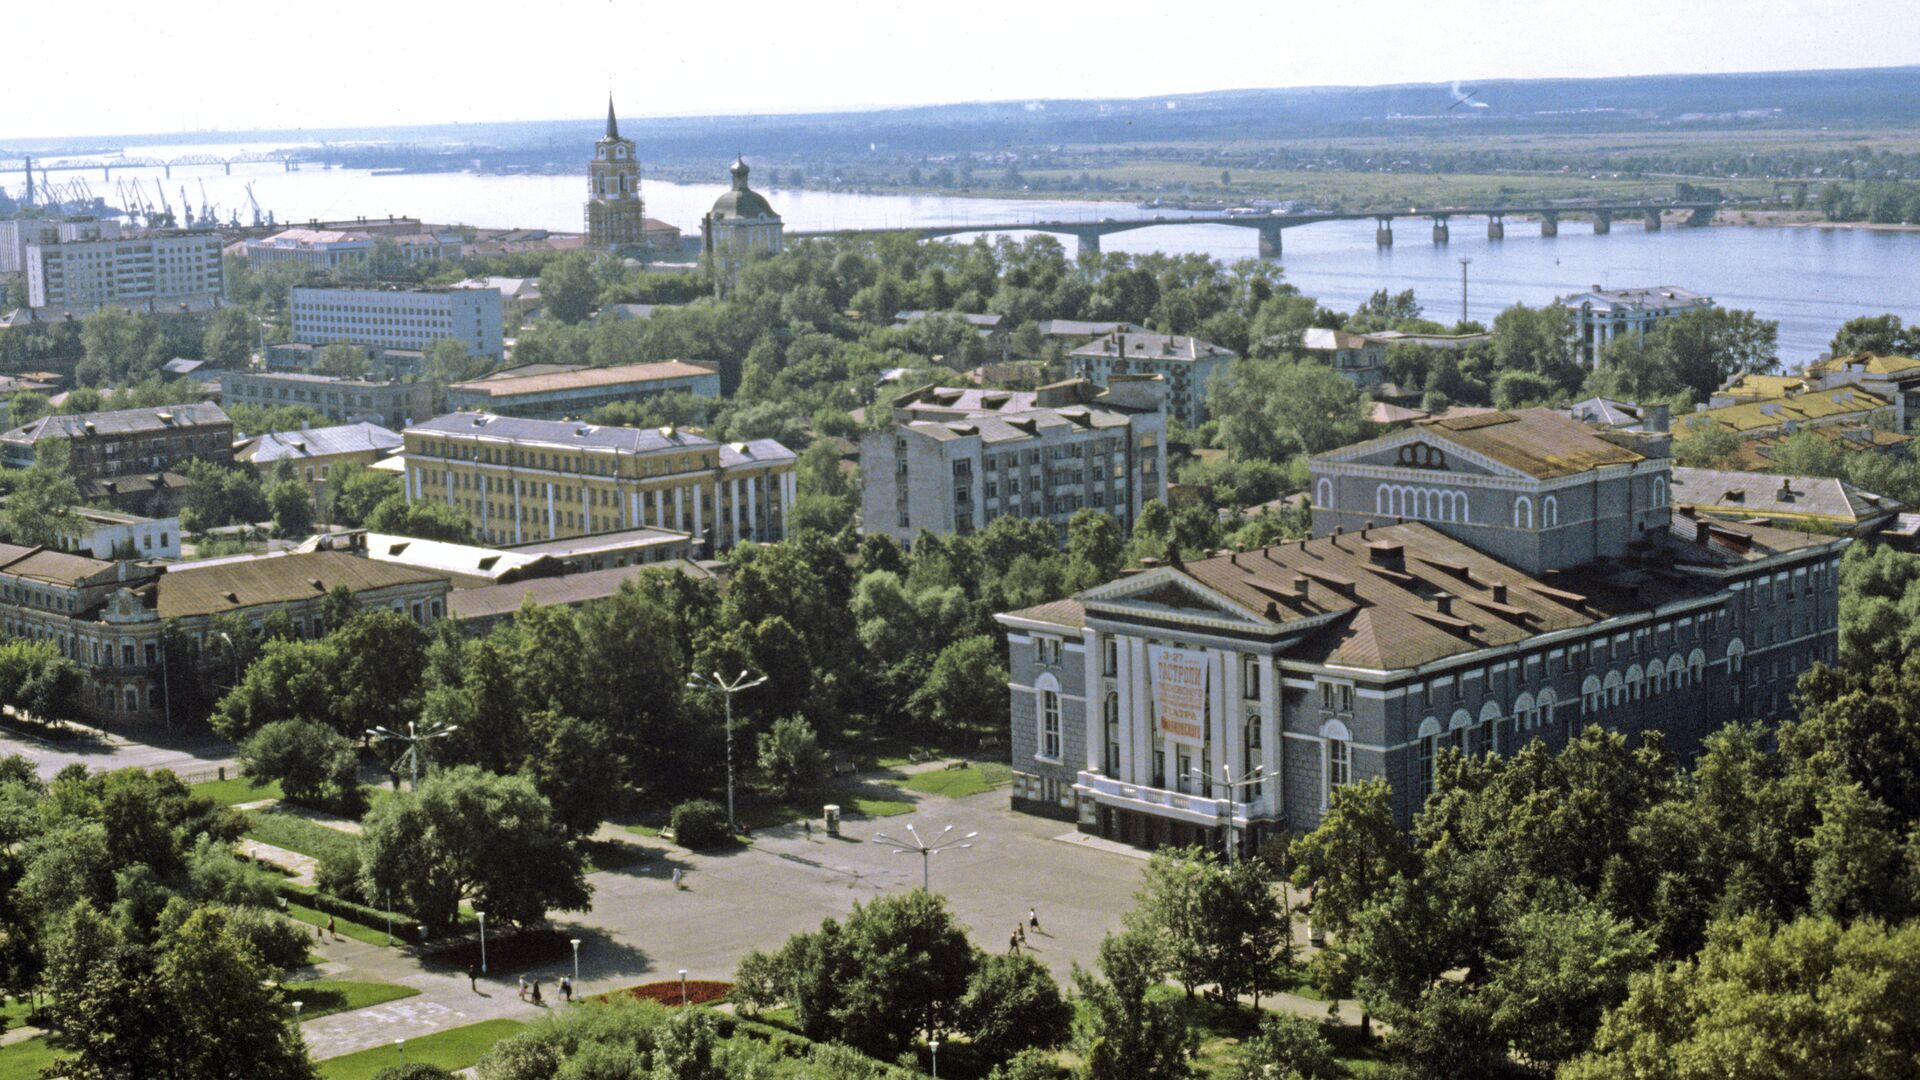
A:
(1809, 280)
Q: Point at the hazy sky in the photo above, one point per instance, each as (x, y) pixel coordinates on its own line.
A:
(237, 64)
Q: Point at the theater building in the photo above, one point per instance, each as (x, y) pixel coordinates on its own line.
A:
(1365, 650)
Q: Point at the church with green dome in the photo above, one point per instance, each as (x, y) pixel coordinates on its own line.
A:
(741, 225)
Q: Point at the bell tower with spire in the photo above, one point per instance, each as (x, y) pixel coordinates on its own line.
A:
(615, 213)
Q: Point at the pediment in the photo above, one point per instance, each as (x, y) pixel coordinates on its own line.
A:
(1421, 450)
(1166, 592)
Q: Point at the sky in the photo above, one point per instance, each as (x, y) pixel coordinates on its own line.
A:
(227, 65)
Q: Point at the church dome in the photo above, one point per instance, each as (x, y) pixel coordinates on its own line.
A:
(741, 201)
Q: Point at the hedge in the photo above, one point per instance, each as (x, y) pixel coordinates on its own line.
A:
(404, 925)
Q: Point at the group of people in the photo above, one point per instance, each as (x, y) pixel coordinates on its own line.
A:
(531, 991)
(1019, 935)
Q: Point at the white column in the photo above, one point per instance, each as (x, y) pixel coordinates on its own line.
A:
(1123, 679)
(586, 509)
(733, 507)
(517, 517)
(659, 515)
(1096, 697)
(1217, 723)
(699, 511)
(1234, 759)
(1141, 722)
(633, 509)
(413, 483)
(550, 518)
(486, 490)
(679, 510)
(1271, 748)
(450, 501)
(753, 513)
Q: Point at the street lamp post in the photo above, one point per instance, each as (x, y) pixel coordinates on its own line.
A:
(698, 681)
(926, 850)
(483, 940)
(401, 1045)
(1232, 786)
(416, 738)
(934, 1045)
(576, 964)
(683, 986)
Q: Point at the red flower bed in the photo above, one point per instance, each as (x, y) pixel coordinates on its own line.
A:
(699, 992)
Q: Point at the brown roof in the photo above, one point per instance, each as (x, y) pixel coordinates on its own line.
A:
(490, 601)
(212, 588)
(1063, 613)
(1539, 442)
(54, 567)
(584, 377)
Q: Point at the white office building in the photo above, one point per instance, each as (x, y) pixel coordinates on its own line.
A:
(1601, 315)
(147, 273)
(399, 318)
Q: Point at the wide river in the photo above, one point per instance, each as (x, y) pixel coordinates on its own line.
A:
(1809, 280)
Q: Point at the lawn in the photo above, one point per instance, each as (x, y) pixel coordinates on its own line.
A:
(235, 790)
(368, 935)
(970, 779)
(452, 1050)
(298, 834)
(610, 854)
(880, 807)
(25, 1060)
(13, 1012)
(324, 997)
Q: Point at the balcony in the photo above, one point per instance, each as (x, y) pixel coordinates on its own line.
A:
(1193, 809)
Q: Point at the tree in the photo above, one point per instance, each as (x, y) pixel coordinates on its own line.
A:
(966, 689)
(413, 1071)
(422, 518)
(312, 762)
(1012, 1003)
(1811, 998)
(569, 287)
(466, 834)
(1875, 334)
(1122, 1032)
(290, 506)
(381, 655)
(355, 490)
(1270, 411)
(1707, 346)
(1704, 444)
(291, 680)
(791, 758)
(40, 509)
(232, 333)
(1540, 340)
(575, 765)
(342, 359)
(1353, 853)
(1218, 924)
(1287, 1048)
(1095, 549)
(1562, 970)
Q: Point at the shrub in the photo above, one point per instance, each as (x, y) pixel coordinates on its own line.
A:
(415, 1071)
(1012, 1003)
(277, 943)
(791, 758)
(700, 823)
(339, 874)
(756, 982)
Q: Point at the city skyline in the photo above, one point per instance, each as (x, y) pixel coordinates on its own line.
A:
(780, 60)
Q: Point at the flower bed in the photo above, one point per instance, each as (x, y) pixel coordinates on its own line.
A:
(699, 992)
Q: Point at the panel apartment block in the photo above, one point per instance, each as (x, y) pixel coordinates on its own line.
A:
(399, 318)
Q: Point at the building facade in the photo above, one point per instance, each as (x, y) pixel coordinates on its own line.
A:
(336, 397)
(153, 272)
(1603, 315)
(314, 453)
(17, 233)
(108, 617)
(615, 214)
(555, 391)
(399, 318)
(313, 249)
(1367, 650)
(126, 442)
(109, 534)
(1361, 359)
(952, 460)
(1188, 365)
(522, 480)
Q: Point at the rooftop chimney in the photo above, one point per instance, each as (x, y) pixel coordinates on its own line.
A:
(1499, 592)
(1443, 603)
(1301, 586)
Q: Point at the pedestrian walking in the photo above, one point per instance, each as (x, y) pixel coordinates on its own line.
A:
(676, 877)
(566, 989)
(1013, 943)
(1022, 931)
(523, 988)
(319, 932)
(809, 825)
(1033, 918)
(536, 993)
(331, 932)
(473, 977)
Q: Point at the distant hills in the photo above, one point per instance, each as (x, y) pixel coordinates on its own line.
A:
(1864, 99)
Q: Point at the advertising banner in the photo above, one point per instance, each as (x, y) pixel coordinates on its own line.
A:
(1179, 693)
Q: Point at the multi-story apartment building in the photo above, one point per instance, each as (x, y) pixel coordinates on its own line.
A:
(1186, 363)
(399, 318)
(109, 534)
(1363, 652)
(17, 233)
(126, 442)
(1602, 315)
(108, 617)
(349, 400)
(150, 272)
(522, 480)
(954, 459)
(557, 391)
(1361, 359)
(314, 453)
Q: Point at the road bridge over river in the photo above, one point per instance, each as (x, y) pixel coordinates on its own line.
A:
(1271, 225)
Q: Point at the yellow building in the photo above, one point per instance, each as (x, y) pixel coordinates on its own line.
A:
(1762, 415)
(522, 480)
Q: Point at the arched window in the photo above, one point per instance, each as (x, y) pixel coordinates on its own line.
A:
(1592, 696)
(1323, 492)
(1544, 708)
(1659, 491)
(1337, 763)
(1636, 685)
(1523, 513)
(1457, 728)
(1736, 656)
(1382, 498)
(1461, 508)
(1048, 689)
(1490, 719)
(1429, 744)
(1550, 511)
(1525, 716)
(1616, 689)
(1697, 666)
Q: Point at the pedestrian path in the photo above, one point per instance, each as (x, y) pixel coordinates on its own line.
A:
(304, 868)
(1101, 843)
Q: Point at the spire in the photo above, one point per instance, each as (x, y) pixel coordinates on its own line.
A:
(739, 171)
(613, 126)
